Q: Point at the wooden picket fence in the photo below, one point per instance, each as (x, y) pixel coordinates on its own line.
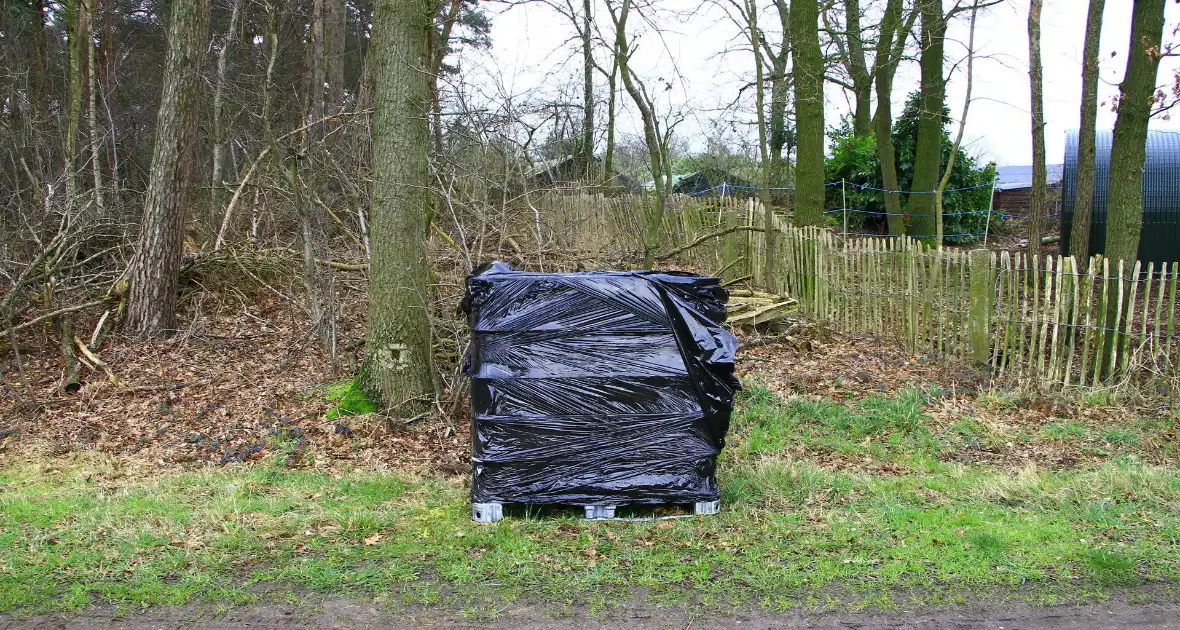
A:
(1043, 321)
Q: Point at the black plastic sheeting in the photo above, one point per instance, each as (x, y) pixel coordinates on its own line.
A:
(597, 388)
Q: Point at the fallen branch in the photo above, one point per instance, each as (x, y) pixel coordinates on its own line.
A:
(93, 358)
(51, 315)
(737, 280)
(333, 263)
(702, 239)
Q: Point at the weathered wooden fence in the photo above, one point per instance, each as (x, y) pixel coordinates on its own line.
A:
(1044, 320)
(1040, 319)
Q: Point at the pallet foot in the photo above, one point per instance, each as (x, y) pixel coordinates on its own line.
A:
(703, 508)
(487, 512)
(599, 512)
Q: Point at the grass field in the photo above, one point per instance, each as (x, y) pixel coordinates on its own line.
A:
(859, 504)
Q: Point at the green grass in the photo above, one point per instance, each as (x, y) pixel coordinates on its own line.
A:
(792, 532)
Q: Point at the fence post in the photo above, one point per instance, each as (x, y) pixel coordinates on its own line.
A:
(982, 278)
(991, 200)
(844, 205)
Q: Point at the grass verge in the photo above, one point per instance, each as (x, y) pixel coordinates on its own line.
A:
(791, 533)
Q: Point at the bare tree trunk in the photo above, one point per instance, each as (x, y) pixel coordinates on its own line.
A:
(1079, 237)
(862, 83)
(397, 366)
(1128, 151)
(809, 112)
(950, 164)
(927, 163)
(438, 44)
(220, 132)
(587, 144)
(1039, 192)
(608, 158)
(770, 234)
(889, 50)
(779, 94)
(77, 39)
(315, 86)
(655, 141)
(92, 110)
(337, 26)
(151, 302)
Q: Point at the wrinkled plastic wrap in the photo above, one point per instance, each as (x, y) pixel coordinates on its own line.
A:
(597, 388)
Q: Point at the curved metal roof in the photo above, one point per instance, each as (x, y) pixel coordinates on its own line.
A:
(1160, 239)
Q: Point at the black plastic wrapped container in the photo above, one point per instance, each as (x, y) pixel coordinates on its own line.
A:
(600, 388)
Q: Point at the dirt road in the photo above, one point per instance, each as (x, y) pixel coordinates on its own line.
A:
(339, 613)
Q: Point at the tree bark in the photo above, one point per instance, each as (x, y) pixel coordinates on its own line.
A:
(655, 141)
(1037, 204)
(770, 235)
(76, 11)
(950, 163)
(928, 160)
(1124, 219)
(438, 45)
(779, 94)
(809, 112)
(337, 25)
(1079, 237)
(608, 157)
(861, 82)
(587, 144)
(316, 75)
(1128, 151)
(397, 368)
(153, 274)
(220, 135)
(889, 49)
(95, 148)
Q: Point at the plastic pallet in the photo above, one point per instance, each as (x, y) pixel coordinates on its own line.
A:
(492, 512)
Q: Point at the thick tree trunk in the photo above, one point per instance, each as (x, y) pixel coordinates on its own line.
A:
(809, 112)
(1079, 237)
(928, 161)
(1039, 179)
(862, 83)
(151, 303)
(587, 144)
(1128, 151)
(1124, 219)
(397, 368)
(885, 67)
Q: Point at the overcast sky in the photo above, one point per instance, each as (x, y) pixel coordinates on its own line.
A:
(698, 54)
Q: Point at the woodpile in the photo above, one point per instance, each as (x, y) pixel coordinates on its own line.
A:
(751, 308)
